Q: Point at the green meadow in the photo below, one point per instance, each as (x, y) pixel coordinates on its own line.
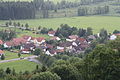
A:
(12, 55)
(17, 0)
(21, 65)
(96, 22)
(45, 0)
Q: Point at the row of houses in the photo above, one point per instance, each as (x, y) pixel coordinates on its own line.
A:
(27, 44)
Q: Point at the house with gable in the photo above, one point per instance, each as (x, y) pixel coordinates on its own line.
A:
(39, 40)
(72, 38)
(8, 44)
(27, 48)
(51, 52)
(51, 33)
(65, 45)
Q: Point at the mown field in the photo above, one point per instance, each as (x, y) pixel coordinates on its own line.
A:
(22, 65)
(96, 22)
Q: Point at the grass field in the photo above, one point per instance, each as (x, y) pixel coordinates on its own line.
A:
(16, 0)
(20, 33)
(45, 0)
(22, 65)
(96, 22)
(11, 55)
(30, 33)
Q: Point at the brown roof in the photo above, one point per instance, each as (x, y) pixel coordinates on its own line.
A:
(52, 51)
(65, 44)
(49, 46)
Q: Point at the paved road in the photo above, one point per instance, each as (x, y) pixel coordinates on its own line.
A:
(30, 57)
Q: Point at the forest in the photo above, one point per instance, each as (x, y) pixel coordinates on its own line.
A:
(47, 9)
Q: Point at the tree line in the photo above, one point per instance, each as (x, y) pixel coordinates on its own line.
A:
(17, 10)
(83, 11)
(27, 10)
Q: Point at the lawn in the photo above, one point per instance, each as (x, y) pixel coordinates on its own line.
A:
(11, 55)
(21, 65)
(96, 22)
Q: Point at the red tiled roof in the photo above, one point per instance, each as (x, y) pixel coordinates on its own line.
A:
(26, 37)
(1, 42)
(118, 34)
(1, 52)
(49, 46)
(81, 39)
(19, 41)
(40, 39)
(51, 32)
(9, 43)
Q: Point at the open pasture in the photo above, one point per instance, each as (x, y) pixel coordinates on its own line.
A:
(96, 22)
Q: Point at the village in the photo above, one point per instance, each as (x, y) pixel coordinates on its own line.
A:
(27, 44)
